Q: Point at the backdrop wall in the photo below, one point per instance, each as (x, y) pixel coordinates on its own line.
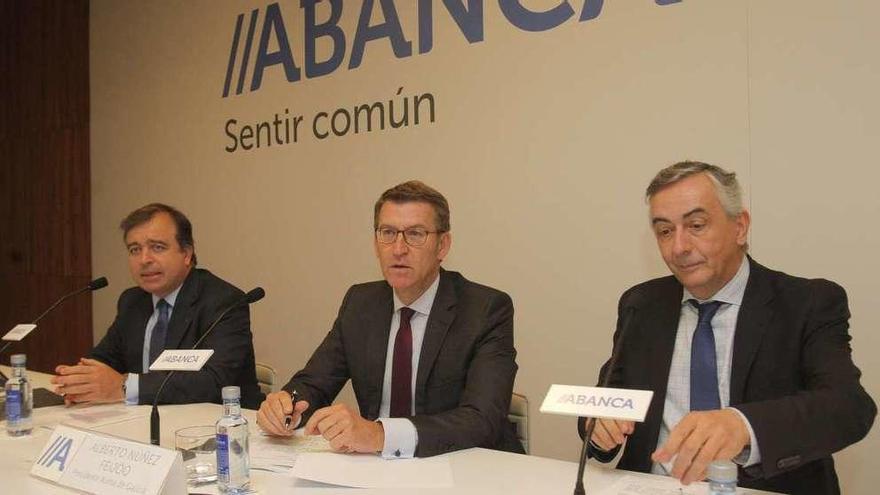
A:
(545, 131)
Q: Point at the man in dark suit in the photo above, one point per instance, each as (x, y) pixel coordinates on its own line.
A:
(172, 306)
(429, 353)
(746, 363)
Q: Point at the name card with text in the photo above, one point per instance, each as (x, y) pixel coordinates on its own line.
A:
(181, 359)
(597, 402)
(19, 332)
(96, 463)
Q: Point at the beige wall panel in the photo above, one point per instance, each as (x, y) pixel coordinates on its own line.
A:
(543, 144)
(814, 182)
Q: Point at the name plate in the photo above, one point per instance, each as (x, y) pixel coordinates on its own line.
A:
(19, 332)
(181, 359)
(597, 402)
(96, 463)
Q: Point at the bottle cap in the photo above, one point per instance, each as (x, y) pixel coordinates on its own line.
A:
(17, 359)
(231, 392)
(722, 471)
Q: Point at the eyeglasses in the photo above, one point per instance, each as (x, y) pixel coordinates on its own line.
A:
(414, 237)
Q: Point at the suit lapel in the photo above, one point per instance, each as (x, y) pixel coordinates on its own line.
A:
(751, 325)
(441, 318)
(377, 325)
(659, 327)
(181, 316)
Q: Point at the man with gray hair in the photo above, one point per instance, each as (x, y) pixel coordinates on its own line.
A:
(746, 363)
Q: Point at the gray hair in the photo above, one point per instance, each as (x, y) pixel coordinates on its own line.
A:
(726, 186)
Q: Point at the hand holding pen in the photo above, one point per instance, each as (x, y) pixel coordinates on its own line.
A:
(280, 414)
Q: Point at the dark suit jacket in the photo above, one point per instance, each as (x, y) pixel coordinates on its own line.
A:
(466, 367)
(792, 375)
(200, 301)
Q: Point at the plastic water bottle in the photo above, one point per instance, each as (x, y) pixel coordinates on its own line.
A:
(19, 399)
(722, 478)
(233, 463)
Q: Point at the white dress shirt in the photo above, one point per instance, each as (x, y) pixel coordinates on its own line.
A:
(678, 389)
(401, 436)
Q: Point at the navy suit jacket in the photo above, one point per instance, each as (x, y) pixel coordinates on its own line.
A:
(200, 301)
(792, 376)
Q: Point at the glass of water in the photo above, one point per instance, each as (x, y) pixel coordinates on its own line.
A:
(198, 446)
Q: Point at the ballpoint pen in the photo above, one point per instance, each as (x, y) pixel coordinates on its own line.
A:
(294, 397)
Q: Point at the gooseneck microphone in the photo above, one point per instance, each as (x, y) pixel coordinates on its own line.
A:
(590, 423)
(98, 283)
(251, 297)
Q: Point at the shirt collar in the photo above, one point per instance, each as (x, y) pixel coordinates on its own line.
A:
(170, 298)
(423, 304)
(732, 292)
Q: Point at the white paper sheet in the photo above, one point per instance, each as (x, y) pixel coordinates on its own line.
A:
(644, 485)
(371, 471)
(279, 454)
(88, 416)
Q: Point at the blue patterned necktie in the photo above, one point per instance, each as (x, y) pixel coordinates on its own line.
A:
(704, 362)
(157, 338)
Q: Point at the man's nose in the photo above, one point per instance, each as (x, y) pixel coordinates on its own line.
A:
(146, 257)
(681, 243)
(400, 246)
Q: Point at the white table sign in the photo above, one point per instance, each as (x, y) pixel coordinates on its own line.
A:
(19, 332)
(597, 402)
(97, 463)
(181, 359)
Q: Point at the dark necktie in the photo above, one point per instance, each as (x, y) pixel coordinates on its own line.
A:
(401, 368)
(704, 362)
(157, 338)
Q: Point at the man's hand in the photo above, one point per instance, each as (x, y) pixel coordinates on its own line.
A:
(88, 381)
(700, 438)
(275, 410)
(609, 433)
(346, 430)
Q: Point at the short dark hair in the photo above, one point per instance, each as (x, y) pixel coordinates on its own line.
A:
(416, 191)
(144, 214)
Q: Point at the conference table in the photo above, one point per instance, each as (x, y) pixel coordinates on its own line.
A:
(474, 471)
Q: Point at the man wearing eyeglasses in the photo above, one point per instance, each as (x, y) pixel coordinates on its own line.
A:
(430, 354)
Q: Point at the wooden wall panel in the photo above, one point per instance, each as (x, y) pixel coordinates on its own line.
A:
(45, 244)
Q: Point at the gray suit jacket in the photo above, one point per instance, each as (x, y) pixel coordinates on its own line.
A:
(466, 368)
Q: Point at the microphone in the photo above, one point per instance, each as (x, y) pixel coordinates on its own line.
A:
(98, 283)
(251, 297)
(589, 424)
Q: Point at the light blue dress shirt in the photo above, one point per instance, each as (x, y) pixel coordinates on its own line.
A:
(131, 383)
(401, 436)
(678, 390)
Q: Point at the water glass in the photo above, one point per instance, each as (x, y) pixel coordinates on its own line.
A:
(198, 446)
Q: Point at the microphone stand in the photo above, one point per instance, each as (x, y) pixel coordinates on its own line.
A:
(98, 283)
(590, 424)
(252, 296)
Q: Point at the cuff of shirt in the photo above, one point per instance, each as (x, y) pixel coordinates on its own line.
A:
(750, 455)
(131, 389)
(401, 438)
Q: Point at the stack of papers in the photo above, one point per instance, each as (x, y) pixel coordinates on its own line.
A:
(279, 454)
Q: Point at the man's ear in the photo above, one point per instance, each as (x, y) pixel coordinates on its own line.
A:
(444, 245)
(743, 221)
(188, 255)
